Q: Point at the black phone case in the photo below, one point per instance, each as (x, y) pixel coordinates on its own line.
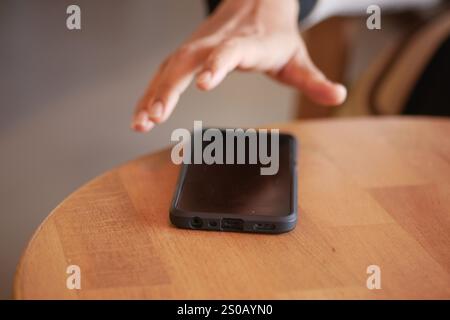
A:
(222, 221)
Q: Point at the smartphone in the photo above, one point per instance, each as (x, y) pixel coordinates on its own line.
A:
(235, 195)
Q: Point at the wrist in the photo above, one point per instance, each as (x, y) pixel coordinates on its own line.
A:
(284, 7)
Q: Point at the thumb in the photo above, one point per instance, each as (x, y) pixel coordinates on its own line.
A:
(300, 72)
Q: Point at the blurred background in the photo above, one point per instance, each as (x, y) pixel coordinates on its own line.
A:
(66, 97)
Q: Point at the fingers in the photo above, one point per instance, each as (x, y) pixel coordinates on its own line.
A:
(168, 92)
(325, 92)
(244, 53)
(175, 75)
(163, 93)
(301, 72)
(222, 60)
(141, 120)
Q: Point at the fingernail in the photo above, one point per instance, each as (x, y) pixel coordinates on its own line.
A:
(205, 77)
(341, 92)
(156, 110)
(141, 122)
(342, 89)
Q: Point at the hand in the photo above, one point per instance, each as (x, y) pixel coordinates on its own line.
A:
(256, 35)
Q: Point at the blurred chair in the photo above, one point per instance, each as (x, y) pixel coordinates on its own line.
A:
(385, 85)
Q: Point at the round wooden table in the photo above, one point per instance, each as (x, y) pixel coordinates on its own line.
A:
(371, 192)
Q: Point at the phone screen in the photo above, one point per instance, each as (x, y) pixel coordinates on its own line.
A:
(241, 188)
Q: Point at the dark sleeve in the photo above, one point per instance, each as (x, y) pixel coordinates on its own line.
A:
(306, 6)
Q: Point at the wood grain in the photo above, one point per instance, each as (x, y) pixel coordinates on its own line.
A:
(371, 191)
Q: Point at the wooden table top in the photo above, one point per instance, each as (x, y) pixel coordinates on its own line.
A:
(371, 192)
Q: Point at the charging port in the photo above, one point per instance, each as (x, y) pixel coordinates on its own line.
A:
(264, 226)
(232, 224)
